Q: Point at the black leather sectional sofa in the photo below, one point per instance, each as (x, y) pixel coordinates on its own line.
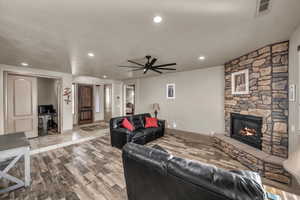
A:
(141, 135)
(152, 173)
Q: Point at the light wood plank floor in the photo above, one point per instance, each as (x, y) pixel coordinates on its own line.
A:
(93, 169)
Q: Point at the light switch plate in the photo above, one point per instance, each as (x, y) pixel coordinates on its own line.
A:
(292, 92)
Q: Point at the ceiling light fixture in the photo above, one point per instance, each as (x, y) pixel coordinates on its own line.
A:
(91, 54)
(24, 64)
(104, 76)
(201, 58)
(157, 19)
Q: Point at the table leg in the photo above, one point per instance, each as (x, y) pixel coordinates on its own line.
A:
(27, 168)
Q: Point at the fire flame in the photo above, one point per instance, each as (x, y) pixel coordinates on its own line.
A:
(248, 131)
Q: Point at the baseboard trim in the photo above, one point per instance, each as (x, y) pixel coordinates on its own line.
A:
(188, 134)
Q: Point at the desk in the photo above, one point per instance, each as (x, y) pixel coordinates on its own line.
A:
(15, 146)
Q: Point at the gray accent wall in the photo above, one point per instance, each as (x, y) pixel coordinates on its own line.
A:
(199, 103)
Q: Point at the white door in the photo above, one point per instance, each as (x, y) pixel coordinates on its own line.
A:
(22, 105)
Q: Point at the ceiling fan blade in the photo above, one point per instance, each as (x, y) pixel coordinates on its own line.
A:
(152, 62)
(131, 66)
(164, 68)
(136, 63)
(156, 70)
(165, 65)
(137, 69)
(146, 70)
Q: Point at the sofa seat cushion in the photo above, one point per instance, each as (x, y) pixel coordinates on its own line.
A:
(137, 133)
(151, 131)
(139, 137)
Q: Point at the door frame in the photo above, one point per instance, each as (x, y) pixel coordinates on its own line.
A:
(104, 99)
(124, 97)
(78, 102)
(29, 74)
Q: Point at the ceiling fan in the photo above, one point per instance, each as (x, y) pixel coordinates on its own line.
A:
(149, 65)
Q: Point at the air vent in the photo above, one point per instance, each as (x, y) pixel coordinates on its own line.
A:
(263, 7)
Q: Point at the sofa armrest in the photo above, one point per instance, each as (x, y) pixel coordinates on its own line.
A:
(161, 123)
(119, 137)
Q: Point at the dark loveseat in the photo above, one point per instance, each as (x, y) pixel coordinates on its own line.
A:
(141, 135)
(154, 174)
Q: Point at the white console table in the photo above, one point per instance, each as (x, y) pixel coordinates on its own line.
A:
(14, 146)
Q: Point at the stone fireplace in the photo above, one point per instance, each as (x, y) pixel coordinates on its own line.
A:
(267, 97)
(246, 129)
(256, 122)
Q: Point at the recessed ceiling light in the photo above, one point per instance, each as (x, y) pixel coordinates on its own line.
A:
(91, 54)
(24, 64)
(201, 58)
(157, 19)
(104, 76)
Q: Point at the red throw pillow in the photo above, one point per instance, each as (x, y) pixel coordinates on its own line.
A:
(127, 124)
(151, 122)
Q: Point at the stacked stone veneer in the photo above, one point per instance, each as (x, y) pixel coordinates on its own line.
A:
(268, 166)
(268, 96)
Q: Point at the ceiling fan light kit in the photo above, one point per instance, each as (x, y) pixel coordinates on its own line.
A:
(149, 65)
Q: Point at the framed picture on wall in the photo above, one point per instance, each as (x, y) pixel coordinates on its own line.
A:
(240, 82)
(171, 91)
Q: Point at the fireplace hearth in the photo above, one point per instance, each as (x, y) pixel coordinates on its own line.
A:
(246, 129)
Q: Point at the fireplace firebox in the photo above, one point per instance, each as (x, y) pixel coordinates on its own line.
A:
(246, 129)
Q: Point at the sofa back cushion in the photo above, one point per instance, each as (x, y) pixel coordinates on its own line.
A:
(139, 120)
(223, 182)
(154, 174)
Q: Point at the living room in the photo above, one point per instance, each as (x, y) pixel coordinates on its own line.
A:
(188, 99)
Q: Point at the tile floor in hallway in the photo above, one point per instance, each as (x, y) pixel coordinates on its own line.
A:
(77, 135)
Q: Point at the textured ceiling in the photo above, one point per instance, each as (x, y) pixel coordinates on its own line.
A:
(57, 34)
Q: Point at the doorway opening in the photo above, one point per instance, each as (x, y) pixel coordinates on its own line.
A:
(129, 99)
(32, 104)
(47, 93)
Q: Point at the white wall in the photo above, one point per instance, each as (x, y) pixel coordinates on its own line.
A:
(67, 119)
(294, 108)
(117, 103)
(199, 103)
